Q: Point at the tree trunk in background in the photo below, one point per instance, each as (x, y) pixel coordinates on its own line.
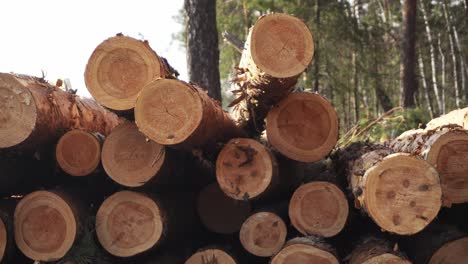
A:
(433, 67)
(408, 54)
(462, 62)
(202, 45)
(442, 62)
(317, 56)
(356, 88)
(381, 95)
(424, 84)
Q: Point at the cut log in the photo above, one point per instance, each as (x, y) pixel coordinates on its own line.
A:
(35, 113)
(46, 225)
(78, 152)
(318, 208)
(445, 148)
(377, 251)
(278, 49)
(263, 234)
(456, 117)
(211, 255)
(400, 192)
(131, 160)
(129, 223)
(439, 244)
(303, 127)
(120, 67)
(9, 253)
(219, 213)
(306, 250)
(175, 113)
(246, 169)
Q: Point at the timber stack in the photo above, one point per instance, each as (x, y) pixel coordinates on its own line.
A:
(153, 170)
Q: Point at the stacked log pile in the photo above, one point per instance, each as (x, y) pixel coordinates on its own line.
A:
(153, 170)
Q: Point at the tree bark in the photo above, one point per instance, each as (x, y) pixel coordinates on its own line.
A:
(408, 54)
(202, 45)
(306, 250)
(455, 117)
(446, 149)
(375, 250)
(35, 113)
(269, 67)
(433, 63)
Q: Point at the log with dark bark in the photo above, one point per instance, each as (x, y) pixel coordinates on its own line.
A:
(400, 192)
(303, 127)
(133, 161)
(445, 148)
(47, 224)
(219, 213)
(278, 49)
(34, 113)
(438, 244)
(181, 115)
(306, 250)
(319, 208)
(408, 54)
(120, 67)
(372, 250)
(78, 152)
(456, 117)
(263, 234)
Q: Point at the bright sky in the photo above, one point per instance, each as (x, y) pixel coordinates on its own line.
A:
(58, 36)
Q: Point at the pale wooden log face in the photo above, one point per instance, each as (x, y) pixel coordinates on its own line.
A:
(318, 208)
(281, 45)
(263, 234)
(455, 252)
(303, 127)
(118, 69)
(208, 256)
(130, 159)
(301, 253)
(18, 112)
(386, 259)
(128, 223)
(245, 168)
(3, 239)
(45, 226)
(78, 153)
(402, 193)
(168, 111)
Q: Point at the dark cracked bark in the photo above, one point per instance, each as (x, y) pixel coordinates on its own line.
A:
(202, 45)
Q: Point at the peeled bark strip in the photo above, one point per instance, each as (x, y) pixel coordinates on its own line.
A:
(377, 251)
(219, 213)
(303, 127)
(278, 49)
(263, 234)
(46, 225)
(306, 250)
(34, 113)
(211, 255)
(445, 148)
(246, 169)
(175, 113)
(318, 208)
(129, 223)
(78, 152)
(400, 192)
(120, 67)
(455, 117)
(131, 160)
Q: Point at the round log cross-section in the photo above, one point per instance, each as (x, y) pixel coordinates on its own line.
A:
(453, 252)
(305, 250)
(263, 234)
(45, 226)
(318, 208)
(129, 159)
(119, 68)
(246, 169)
(3, 239)
(129, 223)
(172, 112)
(78, 152)
(219, 213)
(211, 255)
(303, 127)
